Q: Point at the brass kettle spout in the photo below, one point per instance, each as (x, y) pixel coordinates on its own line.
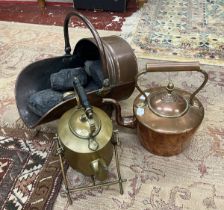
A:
(100, 169)
(128, 121)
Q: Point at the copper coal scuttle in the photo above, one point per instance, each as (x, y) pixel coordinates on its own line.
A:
(112, 56)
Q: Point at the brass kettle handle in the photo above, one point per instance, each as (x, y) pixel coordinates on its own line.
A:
(93, 144)
(173, 67)
(94, 33)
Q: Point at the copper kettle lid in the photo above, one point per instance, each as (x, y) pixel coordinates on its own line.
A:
(189, 117)
(169, 110)
(167, 103)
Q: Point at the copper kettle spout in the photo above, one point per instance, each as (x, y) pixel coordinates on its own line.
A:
(128, 121)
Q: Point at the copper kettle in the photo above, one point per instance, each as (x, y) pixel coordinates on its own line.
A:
(165, 117)
(84, 133)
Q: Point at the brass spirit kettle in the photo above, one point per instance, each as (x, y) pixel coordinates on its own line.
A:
(84, 133)
(165, 117)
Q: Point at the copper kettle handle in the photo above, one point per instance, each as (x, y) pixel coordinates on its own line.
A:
(94, 33)
(174, 67)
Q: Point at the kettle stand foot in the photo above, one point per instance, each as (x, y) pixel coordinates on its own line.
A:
(119, 181)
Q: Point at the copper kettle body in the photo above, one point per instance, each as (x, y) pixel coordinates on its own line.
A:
(165, 117)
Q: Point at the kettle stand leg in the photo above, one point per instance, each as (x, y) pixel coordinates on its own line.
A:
(116, 143)
(93, 180)
(60, 152)
(118, 171)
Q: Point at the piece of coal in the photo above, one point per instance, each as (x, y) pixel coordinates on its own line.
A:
(63, 80)
(87, 65)
(73, 61)
(94, 70)
(41, 102)
(91, 86)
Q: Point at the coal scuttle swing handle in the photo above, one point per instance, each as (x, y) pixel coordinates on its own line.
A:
(95, 34)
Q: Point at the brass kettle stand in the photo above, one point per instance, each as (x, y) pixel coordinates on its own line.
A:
(116, 142)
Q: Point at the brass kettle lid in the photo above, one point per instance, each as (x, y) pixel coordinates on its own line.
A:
(73, 130)
(81, 126)
(167, 102)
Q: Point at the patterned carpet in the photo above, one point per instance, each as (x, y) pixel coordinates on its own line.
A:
(191, 180)
(29, 172)
(178, 30)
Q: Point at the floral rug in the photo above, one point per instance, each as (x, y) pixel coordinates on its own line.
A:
(30, 174)
(178, 30)
(192, 180)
